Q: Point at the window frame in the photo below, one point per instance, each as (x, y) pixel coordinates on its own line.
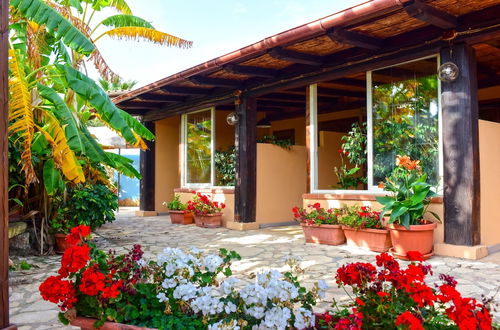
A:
(184, 146)
(371, 188)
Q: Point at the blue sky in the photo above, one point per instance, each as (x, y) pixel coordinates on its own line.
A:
(216, 27)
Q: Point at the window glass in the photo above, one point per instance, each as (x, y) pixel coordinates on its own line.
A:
(199, 147)
(405, 117)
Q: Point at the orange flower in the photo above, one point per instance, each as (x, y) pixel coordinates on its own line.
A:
(381, 185)
(402, 160)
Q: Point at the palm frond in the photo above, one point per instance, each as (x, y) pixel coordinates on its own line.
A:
(101, 66)
(123, 20)
(43, 14)
(121, 6)
(146, 34)
(21, 113)
(124, 165)
(62, 154)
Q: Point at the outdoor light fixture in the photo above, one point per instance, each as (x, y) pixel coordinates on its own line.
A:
(264, 123)
(448, 72)
(232, 118)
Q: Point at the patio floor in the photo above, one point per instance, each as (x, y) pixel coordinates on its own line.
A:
(258, 248)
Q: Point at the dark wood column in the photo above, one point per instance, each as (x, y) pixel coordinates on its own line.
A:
(4, 182)
(148, 173)
(245, 192)
(461, 149)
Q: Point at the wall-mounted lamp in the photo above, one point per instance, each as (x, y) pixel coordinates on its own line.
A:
(448, 72)
(264, 123)
(232, 118)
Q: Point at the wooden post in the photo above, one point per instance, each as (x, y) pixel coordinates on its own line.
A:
(245, 192)
(4, 182)
(461, 149)
(148, 173)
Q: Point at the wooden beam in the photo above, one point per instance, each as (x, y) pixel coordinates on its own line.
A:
(253, 71)
(431, 15)
(296, 57)
(217, 82)
(147, 167)
(4, 181)
(140, 105)
(161, 98)
(186, 90)
(245, 191)
(350, 82)
(340, 92)
(321, 110)
(461, 150)
(284, 104)
(355, 39)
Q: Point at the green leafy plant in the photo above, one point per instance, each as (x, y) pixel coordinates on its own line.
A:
(314, 214)
(354, 145)
(225, 166)
(348, 178)
(271, 139)
(410, 194)
(86, 204)
(175, 204)
(360, 217)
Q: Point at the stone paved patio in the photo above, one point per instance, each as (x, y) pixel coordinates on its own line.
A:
(258, 248)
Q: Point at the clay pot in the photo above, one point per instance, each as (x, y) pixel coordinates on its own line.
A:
(323, 234)
(86, 323)
(181, 218)
(378, 240)
(208, 220)
(418, 238)
(61, 244)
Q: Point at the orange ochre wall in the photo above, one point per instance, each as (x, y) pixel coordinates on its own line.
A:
(167, 175)
(489, 153)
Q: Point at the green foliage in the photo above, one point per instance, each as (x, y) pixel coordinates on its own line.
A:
(411, 194)
(360, 217)
(316, 215)
(225, 166)
(354, 144)
(271, 139)
(175, 204)
(85, 204)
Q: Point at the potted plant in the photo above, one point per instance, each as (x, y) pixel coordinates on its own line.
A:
(387, 295)
(180, 289)
(177, 211)
(363, 228)
(207, 212)
(320, 225)
(407, 207)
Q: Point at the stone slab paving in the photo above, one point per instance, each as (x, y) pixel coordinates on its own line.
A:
(258, 248)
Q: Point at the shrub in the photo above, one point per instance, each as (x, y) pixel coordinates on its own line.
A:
(316, 215)
(360, 217)
(175, 204)
(86, 204)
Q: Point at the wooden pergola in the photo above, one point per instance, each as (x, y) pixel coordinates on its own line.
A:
(269, 76)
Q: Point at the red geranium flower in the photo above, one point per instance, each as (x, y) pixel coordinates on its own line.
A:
(77, 234)
(409, 320)
(74, 258)
(92, 281)
(58, 291)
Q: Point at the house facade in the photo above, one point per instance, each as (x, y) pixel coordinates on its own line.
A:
(338, 98)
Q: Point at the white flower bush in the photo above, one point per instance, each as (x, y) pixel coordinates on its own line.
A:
(196, 283)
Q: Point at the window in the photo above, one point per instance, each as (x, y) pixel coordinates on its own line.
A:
(198, 141)
(402, 117)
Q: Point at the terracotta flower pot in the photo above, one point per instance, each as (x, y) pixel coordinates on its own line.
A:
(209, 220)
(181, 218)
(61, 244)
(418, 238)
(323, 234)
(86, 323)
(378, 240)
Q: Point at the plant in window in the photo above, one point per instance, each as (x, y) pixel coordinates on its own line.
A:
(348, 178)
(225, 166)
(407, 206)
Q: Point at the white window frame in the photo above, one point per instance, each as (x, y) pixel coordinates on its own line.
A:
(184, 171)
(372, 189)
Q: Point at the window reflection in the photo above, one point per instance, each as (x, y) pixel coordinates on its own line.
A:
(199, 138)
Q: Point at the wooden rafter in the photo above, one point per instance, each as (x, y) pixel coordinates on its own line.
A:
(186, 90)
(217, 82)
(253, 71)
(296, 57)
(355, 39)
(431, 15)
(161, 98)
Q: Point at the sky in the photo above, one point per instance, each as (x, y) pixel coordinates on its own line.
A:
(216, 27)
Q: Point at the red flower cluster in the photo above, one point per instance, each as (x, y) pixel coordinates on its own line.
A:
(316, 215)
(203, 205)
(379, 291)
(77, 234)
(58, 291)
(74, 258)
